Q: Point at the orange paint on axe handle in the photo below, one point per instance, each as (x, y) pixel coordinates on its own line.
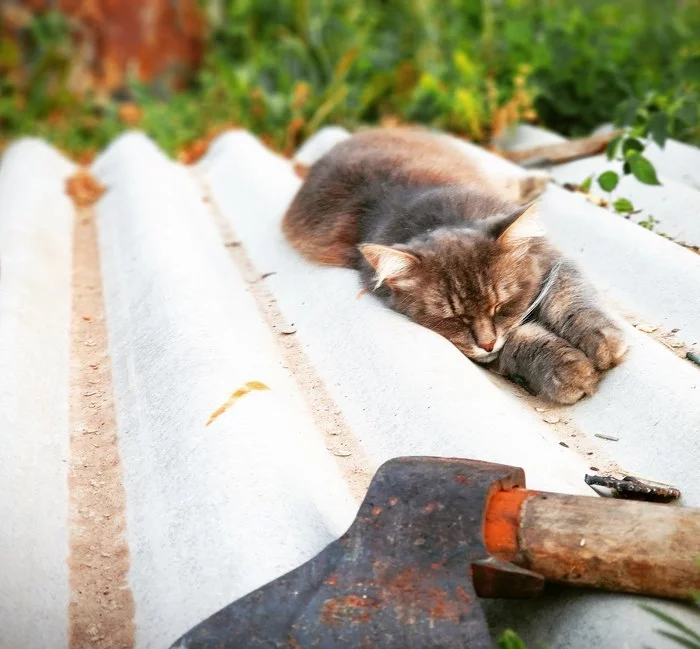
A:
(250, 386)
(503, 522)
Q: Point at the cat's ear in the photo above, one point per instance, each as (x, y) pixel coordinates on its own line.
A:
(392, 265)
(524, 223)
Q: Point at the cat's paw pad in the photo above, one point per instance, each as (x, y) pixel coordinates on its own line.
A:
(606, 347)
(573, 378)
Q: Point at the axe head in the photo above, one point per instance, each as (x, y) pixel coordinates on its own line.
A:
(406, 575)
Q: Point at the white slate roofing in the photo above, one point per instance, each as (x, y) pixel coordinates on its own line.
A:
(200, 296)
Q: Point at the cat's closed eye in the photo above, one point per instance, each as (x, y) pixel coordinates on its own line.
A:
(461, 321)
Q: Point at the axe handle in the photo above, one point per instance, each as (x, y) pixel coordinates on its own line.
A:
(612, 544)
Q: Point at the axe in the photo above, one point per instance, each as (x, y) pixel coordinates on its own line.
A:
(433, 535)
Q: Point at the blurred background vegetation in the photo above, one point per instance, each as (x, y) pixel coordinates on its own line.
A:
(284, 68)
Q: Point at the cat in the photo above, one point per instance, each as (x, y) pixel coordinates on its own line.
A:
(459, 253)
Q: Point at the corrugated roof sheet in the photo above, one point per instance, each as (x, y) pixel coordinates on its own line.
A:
(139, 495)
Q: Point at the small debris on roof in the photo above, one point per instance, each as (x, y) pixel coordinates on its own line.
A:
(250, 386)
(341, 453)
(589, 196)
(633, 489)
(610, 438)
(551, 419)
(647, 328)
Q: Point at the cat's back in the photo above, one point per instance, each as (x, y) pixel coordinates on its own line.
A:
(346, 193)
(408, 155)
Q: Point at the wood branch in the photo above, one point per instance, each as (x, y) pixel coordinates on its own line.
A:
(553, 154)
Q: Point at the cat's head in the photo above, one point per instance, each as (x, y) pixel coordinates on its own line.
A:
(472, 284)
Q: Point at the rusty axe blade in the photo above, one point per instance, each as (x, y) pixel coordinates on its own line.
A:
(433, 534)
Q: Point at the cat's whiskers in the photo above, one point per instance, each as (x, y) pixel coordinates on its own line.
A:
(546, 288)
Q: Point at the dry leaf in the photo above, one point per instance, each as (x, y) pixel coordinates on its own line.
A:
(250, 386)
(193, 152)
(84, 188)
(300, 169)
(130, 114)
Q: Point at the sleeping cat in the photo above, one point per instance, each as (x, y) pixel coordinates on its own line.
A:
(437, 241)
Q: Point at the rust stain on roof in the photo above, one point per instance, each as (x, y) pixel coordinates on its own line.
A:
(248, 387)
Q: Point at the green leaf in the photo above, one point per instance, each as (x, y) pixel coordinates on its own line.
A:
(623, 206)
(643, 170)
(626, 168)
(511, 640)
(613, 145)
(658, 127)
(671, 621)
(627, 111)
(608, 181)
(630, 146)
(680, 640)
(586, 184)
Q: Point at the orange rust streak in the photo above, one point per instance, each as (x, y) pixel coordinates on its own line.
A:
(503, 522)
(235, 396)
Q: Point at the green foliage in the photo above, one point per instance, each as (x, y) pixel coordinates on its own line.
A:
(649, 223)
(675, 630)
(642, 169)
(511, 640)
(623, 206)
(286, 68)
(608, 181)
(643, 126)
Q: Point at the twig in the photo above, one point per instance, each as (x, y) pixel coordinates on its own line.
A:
(634, 489)
(552, 154)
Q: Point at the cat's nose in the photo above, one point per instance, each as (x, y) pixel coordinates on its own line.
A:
(488, 346)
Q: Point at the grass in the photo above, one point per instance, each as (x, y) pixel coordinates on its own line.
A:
(285, 69)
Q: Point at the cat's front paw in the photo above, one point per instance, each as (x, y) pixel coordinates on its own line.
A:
(570, 379)
(605, 346)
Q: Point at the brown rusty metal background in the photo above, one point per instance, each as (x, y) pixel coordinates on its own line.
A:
(405, 576)
(157, 41)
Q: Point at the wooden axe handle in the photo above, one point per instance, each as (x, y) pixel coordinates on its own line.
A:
(606, 543)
